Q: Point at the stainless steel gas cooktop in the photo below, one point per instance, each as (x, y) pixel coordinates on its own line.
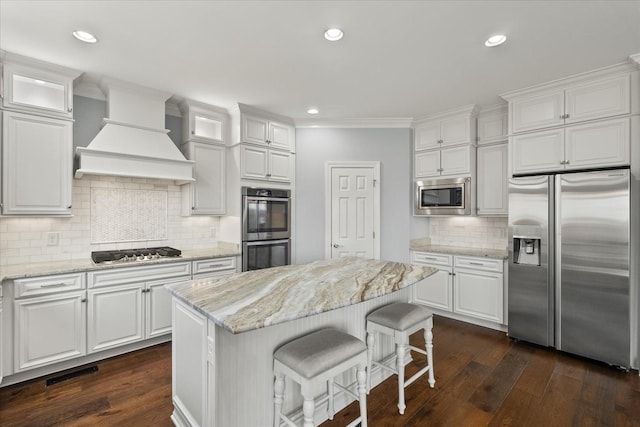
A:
(134, 255)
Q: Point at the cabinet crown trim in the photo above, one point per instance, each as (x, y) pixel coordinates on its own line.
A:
(575, 79)
(471, 109)
(253, 111)
(15, 59)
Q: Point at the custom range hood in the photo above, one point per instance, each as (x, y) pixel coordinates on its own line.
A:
(133, 141)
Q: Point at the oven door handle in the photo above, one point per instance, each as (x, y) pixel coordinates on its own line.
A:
(266, 199)
(266, 242)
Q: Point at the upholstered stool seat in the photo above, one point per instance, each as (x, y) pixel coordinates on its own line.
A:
(315, 358)
(400, 320)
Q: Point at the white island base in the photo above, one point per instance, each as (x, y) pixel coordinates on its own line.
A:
(224, 379)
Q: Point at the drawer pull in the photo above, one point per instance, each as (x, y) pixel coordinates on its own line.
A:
(54, 285)
(476, 263)
(215, 265)
(431, 258)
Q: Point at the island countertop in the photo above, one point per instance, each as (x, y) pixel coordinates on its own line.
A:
(256, 299)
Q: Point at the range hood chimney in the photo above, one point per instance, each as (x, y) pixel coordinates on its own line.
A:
(133, 141)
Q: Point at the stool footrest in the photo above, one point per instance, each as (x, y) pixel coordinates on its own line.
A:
(347, 390)
(416, 376)
(383, 366)
(419, 350)
(355, 422)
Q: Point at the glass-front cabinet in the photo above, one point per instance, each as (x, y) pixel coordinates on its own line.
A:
(36, 90)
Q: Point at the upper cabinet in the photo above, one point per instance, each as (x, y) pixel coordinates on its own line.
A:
(47, 91)
(492, 125)
(37, 137)
(581, 122)
(578, 102)
(446, 129)
(256, 130)
(205, 133)
(444, 144)
(204, 123)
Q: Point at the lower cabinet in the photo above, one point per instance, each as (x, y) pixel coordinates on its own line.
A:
(469, 286)
(49, 329)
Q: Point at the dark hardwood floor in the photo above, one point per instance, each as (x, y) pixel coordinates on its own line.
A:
(482, 379)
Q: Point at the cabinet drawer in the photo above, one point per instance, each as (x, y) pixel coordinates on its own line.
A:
(431, 258)
(214, 265)
(485, 264)
(142, 273)
(49, 284)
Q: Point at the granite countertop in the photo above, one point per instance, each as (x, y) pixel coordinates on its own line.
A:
(19, 271)
(459, 250)
(256, 299)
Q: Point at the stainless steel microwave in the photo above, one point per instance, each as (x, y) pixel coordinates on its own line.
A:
(445, 196)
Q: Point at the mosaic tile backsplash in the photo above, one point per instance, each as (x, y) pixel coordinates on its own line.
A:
(24, 240)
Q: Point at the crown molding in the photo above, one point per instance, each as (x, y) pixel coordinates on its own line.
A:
(471, 109)
(364, 122)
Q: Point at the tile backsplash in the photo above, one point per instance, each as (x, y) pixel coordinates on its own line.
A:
(471, 232)
(25, 240)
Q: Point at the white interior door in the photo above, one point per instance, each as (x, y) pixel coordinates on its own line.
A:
(353, 210)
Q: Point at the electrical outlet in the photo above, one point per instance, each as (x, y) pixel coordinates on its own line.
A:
(53, 238)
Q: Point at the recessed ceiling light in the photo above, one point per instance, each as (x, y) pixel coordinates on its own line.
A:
(83, 36)
(313, 111)
(333, 34)
(496, 40)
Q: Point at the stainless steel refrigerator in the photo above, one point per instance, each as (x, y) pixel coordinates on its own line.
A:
(569, 263)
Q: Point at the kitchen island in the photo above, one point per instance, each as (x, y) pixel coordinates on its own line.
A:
(226, 330)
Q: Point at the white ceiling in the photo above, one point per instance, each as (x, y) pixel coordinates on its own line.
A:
(397, 59)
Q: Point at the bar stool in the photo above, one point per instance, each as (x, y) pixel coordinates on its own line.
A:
(316, 358)
(400, 320)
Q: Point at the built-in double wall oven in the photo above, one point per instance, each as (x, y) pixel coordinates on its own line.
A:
(266, 228)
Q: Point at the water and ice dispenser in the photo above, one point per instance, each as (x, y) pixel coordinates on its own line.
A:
(526, 244)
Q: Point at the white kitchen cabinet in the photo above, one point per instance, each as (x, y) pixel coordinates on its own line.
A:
(573, 103)
(445, 162)
(265, 164)
(115, 316)
(261, 131)
(455, 130)
(214, 267)
(37, 165)
(49, 329)
(467, 288)
(492, 178)
(158, 308)
(205, 196)
(1, 339)
(203, 123)
(45, 90)
(492, 125)
(591, 145)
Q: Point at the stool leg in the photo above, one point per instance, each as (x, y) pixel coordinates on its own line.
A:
(362, 394)
(428, 339)
(400, 350)
(331, 410)
(370, 343)
(308, 408)
(278, 388)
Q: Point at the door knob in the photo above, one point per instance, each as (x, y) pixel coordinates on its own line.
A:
(335, 245)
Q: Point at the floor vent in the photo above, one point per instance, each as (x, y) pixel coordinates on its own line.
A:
(69, 375)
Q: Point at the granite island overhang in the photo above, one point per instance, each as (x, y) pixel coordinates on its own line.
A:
(226, 329)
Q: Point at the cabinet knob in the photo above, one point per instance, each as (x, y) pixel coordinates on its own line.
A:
(70, 110)
(566, 162)
(566, 116)
(193, 132)
(440, 141)
(69, 207)
(562, 162)
(193, 208)
(268, 175)
(83, 300)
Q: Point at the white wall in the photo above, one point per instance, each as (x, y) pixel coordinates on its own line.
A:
(391, 147)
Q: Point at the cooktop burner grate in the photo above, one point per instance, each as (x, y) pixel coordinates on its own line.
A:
(130, 255)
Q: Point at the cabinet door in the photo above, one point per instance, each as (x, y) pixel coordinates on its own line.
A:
(115, 316)
(435, 290)
(280, 136)
(40, 91)
(37, 165)
(158, 309)
(492, 128)
(254, 162)
(538, 152)
(279, 166)
(427, 163)
(49, 329)
(456, 161)
(492, 180)
(479, 295)
(598, 144)
(537, 112)
(427, 135)
(207, 127)
(209, 187)
(255, 130)
(456, 130)
(602, 98)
